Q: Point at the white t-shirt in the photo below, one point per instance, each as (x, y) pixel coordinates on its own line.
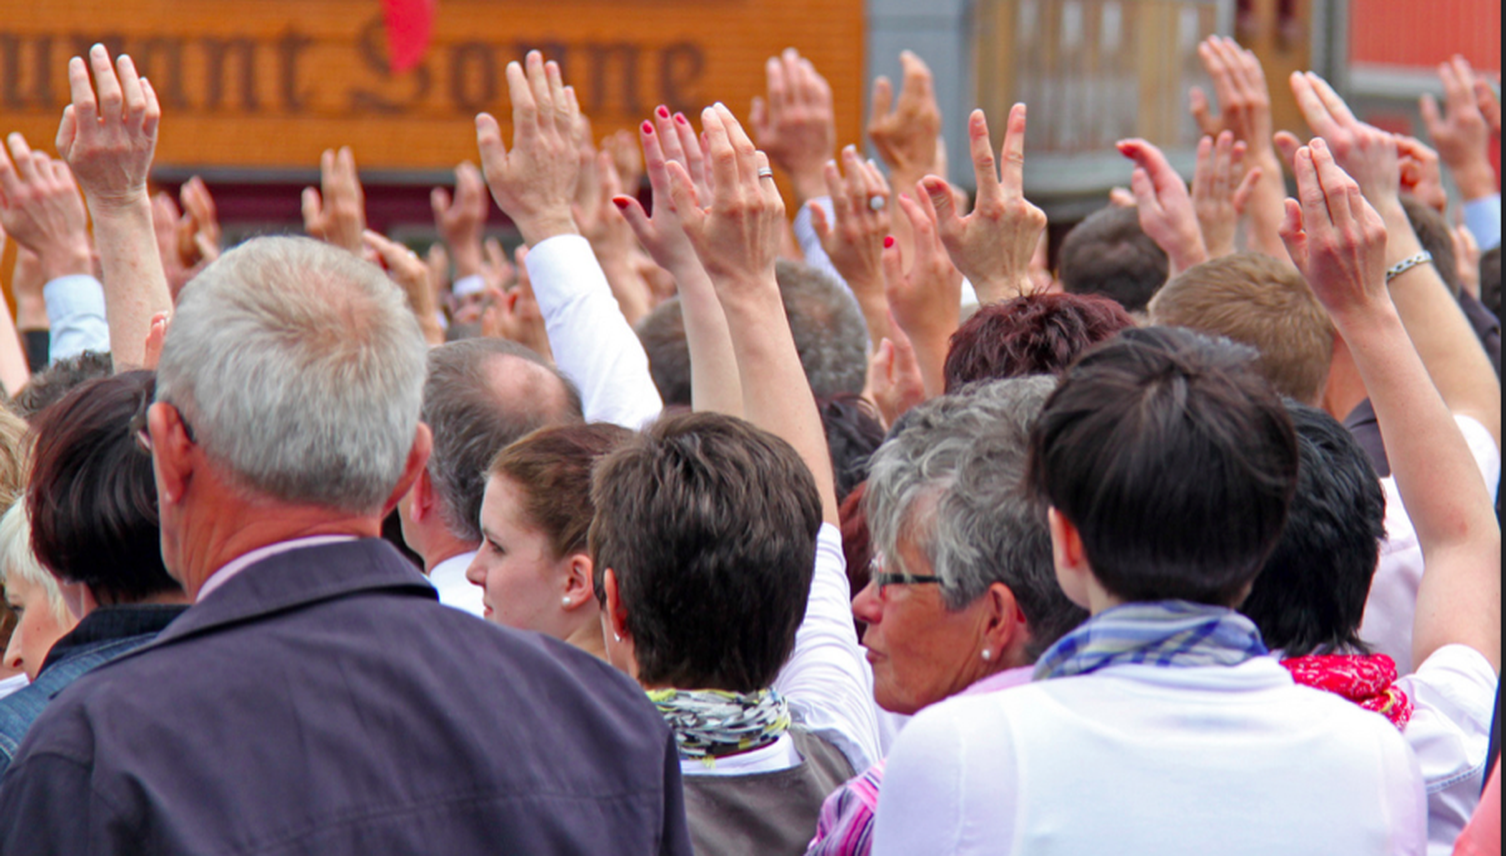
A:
(826, 682)
(1392, 603)
(1140, 759)
(1453, 696)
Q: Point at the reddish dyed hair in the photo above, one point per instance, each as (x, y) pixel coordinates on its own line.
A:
(1029, 335)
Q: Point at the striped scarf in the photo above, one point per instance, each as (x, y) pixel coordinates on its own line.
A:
(711, 723)
(1172, 633)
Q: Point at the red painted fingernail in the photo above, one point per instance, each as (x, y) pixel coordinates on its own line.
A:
(680, 117)
(888, 241)
(621, 203)
(663, 112)
(648, 127)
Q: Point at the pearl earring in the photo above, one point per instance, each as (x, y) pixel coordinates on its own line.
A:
(617, 637)
(565, 601)
(987, 654)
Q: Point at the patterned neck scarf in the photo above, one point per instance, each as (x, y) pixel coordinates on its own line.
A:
(1171, 633)
(711, 723)
(1368, 681)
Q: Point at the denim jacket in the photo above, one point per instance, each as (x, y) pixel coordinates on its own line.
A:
(103, 635)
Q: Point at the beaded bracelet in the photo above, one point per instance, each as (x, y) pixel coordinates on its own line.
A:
(1407, 264)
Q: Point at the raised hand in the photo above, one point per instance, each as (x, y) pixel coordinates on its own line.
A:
(992, 245)
(460, 219)
(662, 234)
(534, 183)
(1462, 133)
(1221, 189)
(796, 125)
(109, 141)
(1368, 154)
(894, 381)
(411, 273)
(1165, 207)
(199, 229)
(1420, 173)
(925, 300)
(626, 157)
(1244, 100)
(907, 136)
(338, 215)
(41, 209)
(1335, 237)
(855, 241)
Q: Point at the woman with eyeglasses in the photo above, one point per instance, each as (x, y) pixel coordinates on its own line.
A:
(92, 502)
(962, 596)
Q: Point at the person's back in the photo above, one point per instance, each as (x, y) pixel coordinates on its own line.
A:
(348, 725)
(1159, 725)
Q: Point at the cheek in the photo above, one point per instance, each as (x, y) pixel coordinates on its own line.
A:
(519, 593)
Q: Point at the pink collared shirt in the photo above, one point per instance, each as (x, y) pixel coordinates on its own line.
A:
(246, 560)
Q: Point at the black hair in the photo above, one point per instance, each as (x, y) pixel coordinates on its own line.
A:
(853, 432)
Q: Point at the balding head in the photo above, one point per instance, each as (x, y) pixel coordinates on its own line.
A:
(481, 395)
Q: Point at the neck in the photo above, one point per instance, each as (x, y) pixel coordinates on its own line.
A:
(443, 547)
(219, 524)
(587, 637)
(1344, 390)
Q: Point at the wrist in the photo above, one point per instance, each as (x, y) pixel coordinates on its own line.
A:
(1475, 180)
(466, 256)
(58, 262)
(807, 184)
(541, 227)
(115, 205)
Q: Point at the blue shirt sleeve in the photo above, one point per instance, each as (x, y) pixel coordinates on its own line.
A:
(76, 313)
(1483, 217)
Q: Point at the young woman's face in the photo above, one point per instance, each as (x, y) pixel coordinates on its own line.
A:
(37, 628)
(523, 582)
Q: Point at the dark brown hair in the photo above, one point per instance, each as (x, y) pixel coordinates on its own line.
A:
(709, 525)
(552, 467)
(1029, 335)
(1110, 254)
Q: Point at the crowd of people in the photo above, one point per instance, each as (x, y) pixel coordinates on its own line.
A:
(727, 519)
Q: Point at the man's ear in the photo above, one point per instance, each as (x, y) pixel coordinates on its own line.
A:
(1069, 556)
(172, 452)
(418, 458)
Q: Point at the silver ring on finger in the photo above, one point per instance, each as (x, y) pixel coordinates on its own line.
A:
(877, 203)
(766, 173)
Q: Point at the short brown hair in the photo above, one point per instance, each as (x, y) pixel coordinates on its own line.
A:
(709, 525)
(1437, 239)
(1261, 302)
(552, 467)
(1110, 254)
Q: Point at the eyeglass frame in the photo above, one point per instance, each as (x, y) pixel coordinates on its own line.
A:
(883, 578)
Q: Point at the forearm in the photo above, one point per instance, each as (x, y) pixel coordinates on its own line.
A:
(776, 393)
(135, 284)
(1266, 209)
(628, 287)
(1449, 349)
(13, 369)
(930, 358)
(714, 383)
(26, 283)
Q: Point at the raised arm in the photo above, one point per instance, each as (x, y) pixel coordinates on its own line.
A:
(924, 299)
(991, 246)
(1462, 134)
(1452, 353)
(795, 124)
(1338, 241)
(853, 234)
(108, 141)
(336, 212)
(906, 132)
(714, 382)
(460, 219)
(534, 184)
(1165, 206)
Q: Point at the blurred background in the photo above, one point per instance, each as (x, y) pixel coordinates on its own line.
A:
(254, 91)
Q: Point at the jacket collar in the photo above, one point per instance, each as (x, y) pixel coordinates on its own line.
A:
(298, 578)
(109, 623)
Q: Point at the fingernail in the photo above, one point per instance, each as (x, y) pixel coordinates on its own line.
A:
(888, 241)
(663, 112)
(680, 118)
(648, 127)
(620, 202)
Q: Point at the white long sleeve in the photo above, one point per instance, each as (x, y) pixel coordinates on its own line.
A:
(826, 681)
(592, 342)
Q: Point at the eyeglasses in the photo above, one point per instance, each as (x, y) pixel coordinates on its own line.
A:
(882, 578)
(143, 436)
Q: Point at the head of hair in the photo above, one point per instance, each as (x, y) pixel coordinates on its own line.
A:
(830, 336)
(15, 457)
(857, 540)
(708, 523)
(1490, 280)
(300, 369)
(1109, 254)
(1436, 237)
(1029, 335)
(1174, 460)
(853, 431)
(1310, 597)
(1258, 301)
(552, 468)
(92, 498)
(17, 560)
(55, 381)
(952, 480)
(473, 417)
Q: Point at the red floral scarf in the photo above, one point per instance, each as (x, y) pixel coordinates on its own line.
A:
(1369, 681)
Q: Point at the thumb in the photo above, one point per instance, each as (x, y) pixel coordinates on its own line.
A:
(1294, 236)
(758, 114)
(894, 271)
(1427, 105)
(1287, 145)
(819, 222)
(683, 197)
(439, 200)
(883, 97)
(1246, 187)
(311, 212)
(637, 218)
(1197, 104)
(947, 220)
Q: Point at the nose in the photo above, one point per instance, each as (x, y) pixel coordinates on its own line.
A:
(475, 573)
(867, 607)
(13, 651)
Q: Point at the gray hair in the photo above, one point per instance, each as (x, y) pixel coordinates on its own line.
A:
(472, 420)
(951, 478)
(17, 560)
(828, 329)
(300, 370)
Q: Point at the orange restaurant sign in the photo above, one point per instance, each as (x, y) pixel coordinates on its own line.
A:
(271, 83)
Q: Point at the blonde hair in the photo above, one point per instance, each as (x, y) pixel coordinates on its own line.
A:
(15, 457)
(17, 560)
